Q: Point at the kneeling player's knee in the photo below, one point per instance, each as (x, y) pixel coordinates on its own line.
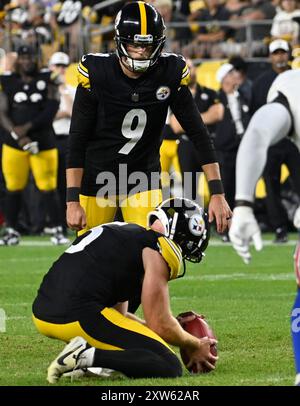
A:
(173, 367)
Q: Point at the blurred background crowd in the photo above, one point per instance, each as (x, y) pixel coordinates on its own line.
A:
(235, 49)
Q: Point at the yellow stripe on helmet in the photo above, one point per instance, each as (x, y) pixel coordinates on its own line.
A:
(143, 18)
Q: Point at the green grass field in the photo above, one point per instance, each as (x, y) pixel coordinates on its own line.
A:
(247, 306)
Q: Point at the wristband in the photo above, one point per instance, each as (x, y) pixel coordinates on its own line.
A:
(216, 187)
(246, 203)
(73, 194)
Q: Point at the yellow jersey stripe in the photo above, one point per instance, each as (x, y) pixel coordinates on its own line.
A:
(185, 73)
(185, 80)
(171, 255)
(82, 72)
(175, 249)
(83, 67)
(143, 18)
(123, 322)
(83, 81)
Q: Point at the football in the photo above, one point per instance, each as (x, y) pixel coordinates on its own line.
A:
(198, 327)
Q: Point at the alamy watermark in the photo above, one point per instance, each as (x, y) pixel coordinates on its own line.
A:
(2, 321)
(132, 186)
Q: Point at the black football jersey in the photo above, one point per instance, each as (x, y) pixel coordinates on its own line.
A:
(101, 268)
(26, 101)
(130, 114)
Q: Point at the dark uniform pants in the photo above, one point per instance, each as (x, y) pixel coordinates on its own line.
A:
(122, 344)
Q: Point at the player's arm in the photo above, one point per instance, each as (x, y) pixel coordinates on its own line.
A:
(5, 121)
(122, 307)
(187, 114)
(157, 312)
(83, 122)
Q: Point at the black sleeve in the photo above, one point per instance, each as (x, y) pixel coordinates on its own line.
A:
(83, 122)
(188, 116)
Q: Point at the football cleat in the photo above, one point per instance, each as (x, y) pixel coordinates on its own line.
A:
(10, 237)
(58, 237)
(94, 373)
(281, 236)
(66, 360)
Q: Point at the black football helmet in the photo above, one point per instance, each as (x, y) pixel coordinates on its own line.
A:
(186, 223)
(139, 23)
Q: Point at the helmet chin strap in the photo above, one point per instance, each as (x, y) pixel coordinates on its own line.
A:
(173, 225)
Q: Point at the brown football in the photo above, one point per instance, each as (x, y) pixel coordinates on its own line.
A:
(198, 328)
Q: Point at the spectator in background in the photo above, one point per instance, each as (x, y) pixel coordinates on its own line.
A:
(176, 37)
(256, 11)
(36, 30)
(58, 64)
(279, 51)
(229, 131)
(284, 25)
(245, 84)
(212, 32)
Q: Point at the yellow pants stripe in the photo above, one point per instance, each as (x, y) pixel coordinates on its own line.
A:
(123, 322)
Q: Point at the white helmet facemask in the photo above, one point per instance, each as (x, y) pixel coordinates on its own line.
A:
(136, 65)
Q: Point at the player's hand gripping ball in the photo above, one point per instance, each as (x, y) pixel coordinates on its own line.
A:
(196, 325)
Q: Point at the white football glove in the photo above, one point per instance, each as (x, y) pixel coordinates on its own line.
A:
(243, 230)
(32, 147)
(297, 218)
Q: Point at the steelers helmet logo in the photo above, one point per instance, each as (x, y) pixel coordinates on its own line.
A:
(196, 224)
(163, 93)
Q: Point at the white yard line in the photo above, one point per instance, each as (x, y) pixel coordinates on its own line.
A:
(249, 276)
(213, 243)
(30, 259)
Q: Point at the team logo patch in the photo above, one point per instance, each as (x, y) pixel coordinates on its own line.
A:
(196, 224)
(20, 97)
(163, 92)
(36, 97)
(41, 84)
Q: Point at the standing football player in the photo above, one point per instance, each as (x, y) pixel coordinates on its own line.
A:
(83, 299)
(29, 101)
(270, 124)
(119, 112)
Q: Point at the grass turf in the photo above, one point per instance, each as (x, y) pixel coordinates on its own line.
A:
(247, 306)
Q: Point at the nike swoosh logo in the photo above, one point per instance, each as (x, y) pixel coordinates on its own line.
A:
(60, 360)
